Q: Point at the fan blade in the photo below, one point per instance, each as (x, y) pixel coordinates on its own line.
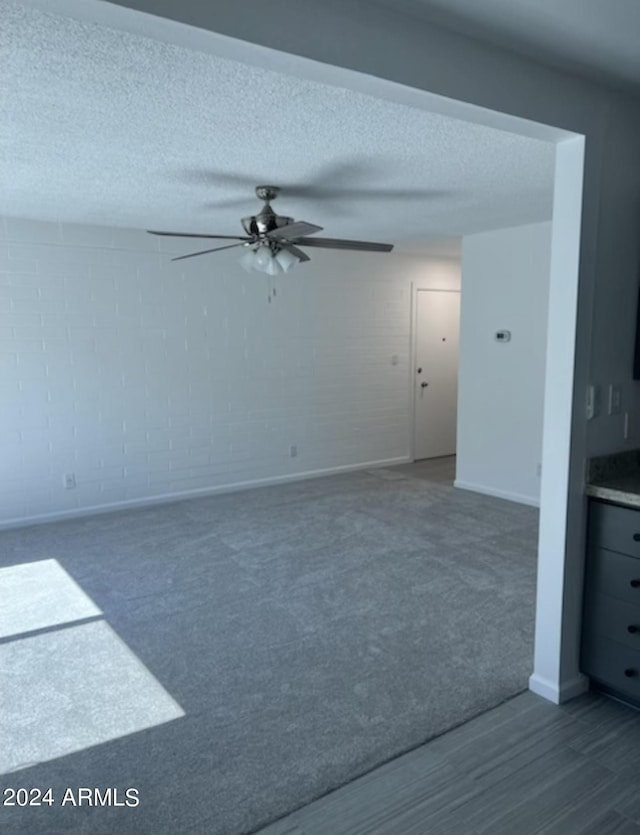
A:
(294, 230)
(322, 193)
(340, 243)
(347, 179)
(196, 235)
(300, 255)
(244, 203)
(212, 177)
(206, 251)
(344, 171)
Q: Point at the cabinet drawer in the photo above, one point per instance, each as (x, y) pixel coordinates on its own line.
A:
(612, 664)
(616, 528)
(613, 619)
(613, 574)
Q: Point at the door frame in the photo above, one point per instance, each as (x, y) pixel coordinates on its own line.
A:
(418, 287)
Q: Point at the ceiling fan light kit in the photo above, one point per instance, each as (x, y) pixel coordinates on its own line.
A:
(269, 259)
(286, 259)
(272, 240)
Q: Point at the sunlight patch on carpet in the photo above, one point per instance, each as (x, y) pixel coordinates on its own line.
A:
(35, 595)
(71, 687)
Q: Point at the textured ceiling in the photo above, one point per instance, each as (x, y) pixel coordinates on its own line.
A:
(597, 38)
(105, 126)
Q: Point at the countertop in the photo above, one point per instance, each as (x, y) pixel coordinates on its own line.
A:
(624, 490)
(615, 478)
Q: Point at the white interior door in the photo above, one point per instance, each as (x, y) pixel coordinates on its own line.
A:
(436, 373)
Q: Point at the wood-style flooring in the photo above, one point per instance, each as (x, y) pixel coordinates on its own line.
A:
(526, 767)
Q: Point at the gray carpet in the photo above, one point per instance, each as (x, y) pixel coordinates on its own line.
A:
(308, 632)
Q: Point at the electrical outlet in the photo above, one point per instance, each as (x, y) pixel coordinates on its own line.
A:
(69, 481)
(293, 451)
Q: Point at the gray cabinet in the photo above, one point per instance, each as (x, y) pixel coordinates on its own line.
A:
(611, 617)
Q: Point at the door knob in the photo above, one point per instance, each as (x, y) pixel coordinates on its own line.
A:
(423, 385)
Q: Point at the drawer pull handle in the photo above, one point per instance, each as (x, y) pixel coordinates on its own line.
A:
(630, 672)
(636, 537)
(635, 584)
(633, 628)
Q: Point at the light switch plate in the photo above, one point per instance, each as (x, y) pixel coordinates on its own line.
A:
(615, 399)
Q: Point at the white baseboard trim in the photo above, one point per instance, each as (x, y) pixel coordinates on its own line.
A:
(165, 498)
(559, 693)
(498, 494)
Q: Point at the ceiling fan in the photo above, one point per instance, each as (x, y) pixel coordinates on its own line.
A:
(273, 240)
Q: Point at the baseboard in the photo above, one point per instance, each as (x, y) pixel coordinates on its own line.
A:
(558, 694)
(498, 494)
(200, 492)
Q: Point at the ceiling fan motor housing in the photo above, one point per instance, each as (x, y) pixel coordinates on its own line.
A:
(266, 220)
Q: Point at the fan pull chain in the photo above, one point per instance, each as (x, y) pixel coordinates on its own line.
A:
(272, 289)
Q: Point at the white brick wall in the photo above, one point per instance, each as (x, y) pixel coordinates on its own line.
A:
(148, 379)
